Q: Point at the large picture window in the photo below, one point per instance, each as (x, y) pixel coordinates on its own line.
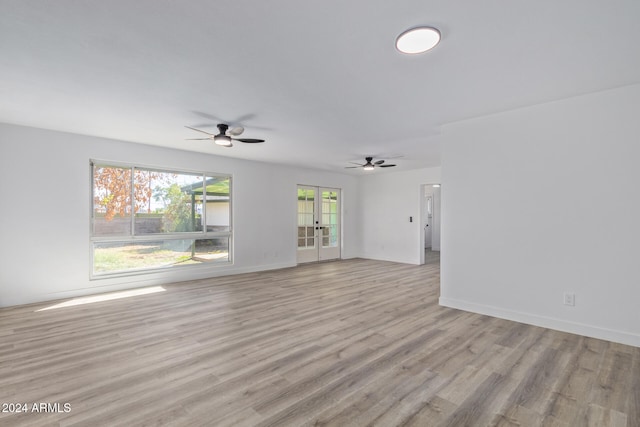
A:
(145, 219)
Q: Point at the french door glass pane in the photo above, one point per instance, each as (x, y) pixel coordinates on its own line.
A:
(305, 207)
(309, 218)
(329, 218)
(306, 237)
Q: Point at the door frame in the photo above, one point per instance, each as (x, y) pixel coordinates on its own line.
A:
(423, 216)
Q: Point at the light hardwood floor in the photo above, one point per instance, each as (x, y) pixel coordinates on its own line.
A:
(346, 343)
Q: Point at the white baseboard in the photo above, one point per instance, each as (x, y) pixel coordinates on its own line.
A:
(545, 322)
(390, 259)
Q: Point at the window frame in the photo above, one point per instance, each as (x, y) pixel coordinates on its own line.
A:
(132, 237)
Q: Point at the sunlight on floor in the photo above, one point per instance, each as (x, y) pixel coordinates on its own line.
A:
(105, 297)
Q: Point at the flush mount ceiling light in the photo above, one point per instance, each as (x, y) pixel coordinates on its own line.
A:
(418, 40)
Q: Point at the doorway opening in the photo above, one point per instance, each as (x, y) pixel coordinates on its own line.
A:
(430, 230)
(318, 229)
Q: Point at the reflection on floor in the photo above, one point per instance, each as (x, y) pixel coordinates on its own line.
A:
(431, 257)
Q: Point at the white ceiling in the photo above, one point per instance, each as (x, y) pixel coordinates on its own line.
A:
(321, 81)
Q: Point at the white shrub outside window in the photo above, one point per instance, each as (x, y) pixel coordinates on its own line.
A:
(147, 219)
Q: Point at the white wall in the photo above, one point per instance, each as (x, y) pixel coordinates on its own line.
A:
(45, 252)
(547, 179)
(387, 200)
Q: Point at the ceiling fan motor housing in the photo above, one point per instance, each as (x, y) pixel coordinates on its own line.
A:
(223, 128)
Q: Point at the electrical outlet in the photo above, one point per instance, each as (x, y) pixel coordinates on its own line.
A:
(569, 299)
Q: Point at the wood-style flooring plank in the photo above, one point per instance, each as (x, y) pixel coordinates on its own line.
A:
(346, 343)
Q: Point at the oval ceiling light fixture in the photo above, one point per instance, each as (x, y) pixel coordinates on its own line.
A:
(418, 40)
(222, 140)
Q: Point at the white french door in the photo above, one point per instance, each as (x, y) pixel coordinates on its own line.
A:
(318, 223)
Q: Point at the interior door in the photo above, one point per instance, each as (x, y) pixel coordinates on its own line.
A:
(318, 223)
(428, 223)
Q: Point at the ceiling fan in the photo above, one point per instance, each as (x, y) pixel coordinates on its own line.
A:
(222, 138)
(370, 164)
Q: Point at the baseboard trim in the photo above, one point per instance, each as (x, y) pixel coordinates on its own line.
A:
(545, 322)
(390, 259)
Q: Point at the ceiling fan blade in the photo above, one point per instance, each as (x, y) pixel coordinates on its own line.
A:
(244, 118)
(352, 167)
(197, 139)
(236, 131)
(205, 125)
(386, 166)
(379, 162)
(198, 130)
(249, 140)
(207, 116)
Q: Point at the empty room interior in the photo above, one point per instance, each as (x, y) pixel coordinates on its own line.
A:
(245, 213)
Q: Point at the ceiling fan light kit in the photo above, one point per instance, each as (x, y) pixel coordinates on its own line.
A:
(222, 140)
